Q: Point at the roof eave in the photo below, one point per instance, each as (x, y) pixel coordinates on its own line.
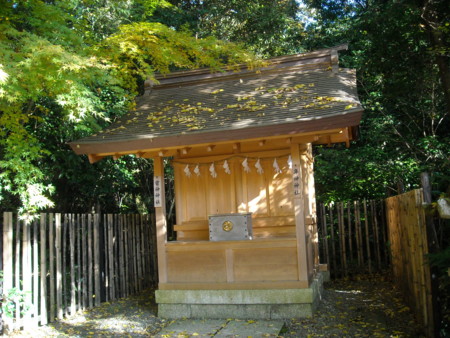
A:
(135, 145)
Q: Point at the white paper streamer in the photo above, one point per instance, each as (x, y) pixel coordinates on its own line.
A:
(276, 167)
(212, 170)
(245, 165)
(197, 170)
(226, 167)
(289, 161)
(259, 168)
(187, 171)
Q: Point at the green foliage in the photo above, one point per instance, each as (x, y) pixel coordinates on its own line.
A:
(11, 299)
(405, 124)
(139, 50)
(269, 28)
(67, 77)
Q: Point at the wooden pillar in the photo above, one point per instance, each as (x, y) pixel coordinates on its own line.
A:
(313, 206)
(160, 213)
(299, 210)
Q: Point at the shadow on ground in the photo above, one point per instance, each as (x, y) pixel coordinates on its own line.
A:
(364, 306)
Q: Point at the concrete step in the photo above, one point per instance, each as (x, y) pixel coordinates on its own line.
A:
(182, 328)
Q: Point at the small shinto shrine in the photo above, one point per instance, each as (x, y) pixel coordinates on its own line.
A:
(240, 144)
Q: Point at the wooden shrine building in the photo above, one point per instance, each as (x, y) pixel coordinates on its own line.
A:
(241, 147)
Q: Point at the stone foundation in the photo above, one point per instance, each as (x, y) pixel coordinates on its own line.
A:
(241, 304)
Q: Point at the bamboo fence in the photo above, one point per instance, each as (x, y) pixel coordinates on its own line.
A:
(409, 247)
(65, 263)
(353, 237)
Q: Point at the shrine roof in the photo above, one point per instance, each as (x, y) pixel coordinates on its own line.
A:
(294, 94)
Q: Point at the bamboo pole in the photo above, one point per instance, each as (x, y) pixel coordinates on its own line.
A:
(90, 263)
(43, 233)
(375, 232)
(116, 261)
(59, 311)
(133, 254)
(366, 223)
(333, 245)
(51, 262)
(72, 265)
(342, 236)
(126, 232)
(64, 264)
(138, 252)
(17, 270)
(27, 273)
(107, 284)
(111, 257)
(8, 259)
(350, 233)
(84, 280)
(121, 264)
(97, 277)
(79, 262)
(384, 234)
(35, 269)
(358, 234)
(325, 233)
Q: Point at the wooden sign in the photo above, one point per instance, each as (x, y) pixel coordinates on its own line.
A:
(296, 179)
(157, 189)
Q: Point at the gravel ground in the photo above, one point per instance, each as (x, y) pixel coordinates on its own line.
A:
(366, 306)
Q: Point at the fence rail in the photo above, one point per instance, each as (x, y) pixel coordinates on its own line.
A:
(353, 237)
(69, 262)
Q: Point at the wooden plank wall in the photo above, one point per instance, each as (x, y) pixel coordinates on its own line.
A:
(69, 262)
(409, 247)
(353, 237)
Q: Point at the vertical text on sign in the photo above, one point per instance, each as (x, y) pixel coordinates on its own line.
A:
(296, 179)
(157, 188)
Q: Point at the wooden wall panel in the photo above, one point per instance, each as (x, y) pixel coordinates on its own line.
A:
(257, 190)
(197, 266)
(268, 195)
(280, 190)
(269, 264)
(221, 198)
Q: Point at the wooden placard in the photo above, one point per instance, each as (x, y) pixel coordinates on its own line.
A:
(157, 184)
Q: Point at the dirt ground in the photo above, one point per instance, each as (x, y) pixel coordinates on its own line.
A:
(364, 306)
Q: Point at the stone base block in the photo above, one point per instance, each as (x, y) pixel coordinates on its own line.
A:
(240, 304)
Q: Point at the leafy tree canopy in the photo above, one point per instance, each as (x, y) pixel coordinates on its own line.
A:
(77, 72)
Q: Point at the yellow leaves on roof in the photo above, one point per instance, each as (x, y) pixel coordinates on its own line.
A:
(190, 114)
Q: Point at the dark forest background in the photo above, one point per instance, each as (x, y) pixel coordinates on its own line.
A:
(69, 68)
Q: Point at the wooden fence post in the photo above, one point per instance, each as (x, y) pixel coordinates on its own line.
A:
(43, 269)
(97, 276)
(333, 244)
(433, 246)
(350, 234)
(59, 310)
(51, 253)
(366, 223)
(27, 268)
(7, 259)
(79, 262)
(35, 274)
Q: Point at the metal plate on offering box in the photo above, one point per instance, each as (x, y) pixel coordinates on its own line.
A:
(230, 227)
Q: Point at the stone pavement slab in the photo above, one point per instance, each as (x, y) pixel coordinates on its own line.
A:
(222, 328)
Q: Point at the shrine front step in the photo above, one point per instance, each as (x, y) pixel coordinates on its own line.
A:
(240, 304)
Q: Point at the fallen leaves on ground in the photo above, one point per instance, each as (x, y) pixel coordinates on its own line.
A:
(363, 306)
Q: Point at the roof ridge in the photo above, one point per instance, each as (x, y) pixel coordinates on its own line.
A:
(324, 58)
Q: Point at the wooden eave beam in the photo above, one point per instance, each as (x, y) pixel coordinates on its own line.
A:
(94, 158)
